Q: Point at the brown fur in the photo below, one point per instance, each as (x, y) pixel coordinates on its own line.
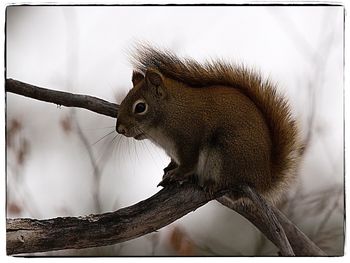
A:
(227, 111)
(274, 108)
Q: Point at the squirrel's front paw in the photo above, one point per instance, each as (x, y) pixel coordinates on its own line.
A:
(168, 177)
(172, 165)
(171, 176)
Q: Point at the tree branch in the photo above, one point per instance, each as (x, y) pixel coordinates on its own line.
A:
(171, 203)
(301, 244)
(63, 98)
(267, 214)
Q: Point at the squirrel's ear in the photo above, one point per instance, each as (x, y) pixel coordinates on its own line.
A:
(154, 77)
(136, 77)
(155, 80)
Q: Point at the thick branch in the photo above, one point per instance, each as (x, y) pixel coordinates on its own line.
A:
(62, 98)
(267, 215)
(301, 244)
(169, 204)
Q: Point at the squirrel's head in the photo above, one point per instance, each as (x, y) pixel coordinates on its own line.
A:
(141, 109)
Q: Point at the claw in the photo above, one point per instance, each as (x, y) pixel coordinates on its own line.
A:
(161, 183)
(165, 181)
(174, 176)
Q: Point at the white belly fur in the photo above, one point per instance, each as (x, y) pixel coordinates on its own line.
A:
(163, 142)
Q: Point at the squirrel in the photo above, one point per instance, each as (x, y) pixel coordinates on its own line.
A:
(221, 123)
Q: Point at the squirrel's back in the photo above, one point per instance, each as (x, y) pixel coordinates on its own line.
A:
(283, 129)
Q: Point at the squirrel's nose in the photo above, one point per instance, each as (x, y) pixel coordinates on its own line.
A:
(120, 128)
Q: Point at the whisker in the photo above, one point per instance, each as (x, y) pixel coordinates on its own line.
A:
(152, 157)
(135, 148)
(100, 159)
(128, 143)
(102, 137)
(134, 169)
(145, 144)
(115, 148)
(99, 128)
(121, 147)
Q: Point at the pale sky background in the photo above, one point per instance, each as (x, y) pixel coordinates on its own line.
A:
(85, 50)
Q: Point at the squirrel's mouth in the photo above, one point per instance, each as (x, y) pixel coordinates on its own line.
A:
(140, 136)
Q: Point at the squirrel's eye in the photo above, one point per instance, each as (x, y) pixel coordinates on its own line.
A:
(140, 107)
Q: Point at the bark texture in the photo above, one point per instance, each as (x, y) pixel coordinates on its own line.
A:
(63, 98)
(30, 235)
